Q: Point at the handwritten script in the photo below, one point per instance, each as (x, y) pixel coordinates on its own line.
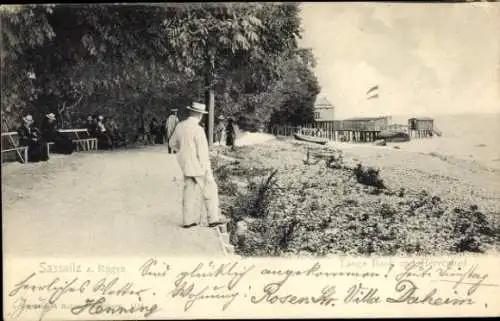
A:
(156, 287)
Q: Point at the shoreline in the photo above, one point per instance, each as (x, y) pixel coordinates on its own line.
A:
(446, 183)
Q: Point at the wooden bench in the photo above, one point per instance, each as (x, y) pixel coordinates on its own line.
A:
(82, 139)
(48, 147)
(21, 151)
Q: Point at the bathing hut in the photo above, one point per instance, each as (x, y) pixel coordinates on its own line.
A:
(421, 127)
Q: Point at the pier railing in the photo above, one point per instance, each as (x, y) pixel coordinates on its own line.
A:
(325, 131)
(339, 131)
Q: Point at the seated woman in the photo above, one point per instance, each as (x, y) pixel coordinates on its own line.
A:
(62, 144)
(31, 137)
(103, 139)
(113, 131)
(91, 126)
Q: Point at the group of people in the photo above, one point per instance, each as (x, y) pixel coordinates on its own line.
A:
(104, 129)
(36, 139)
(225, 133)
(161, 132)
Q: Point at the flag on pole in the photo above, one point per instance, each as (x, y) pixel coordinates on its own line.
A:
(372, 93)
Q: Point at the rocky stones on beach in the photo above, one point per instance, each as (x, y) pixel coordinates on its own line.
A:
(310, 200)
(380, 142)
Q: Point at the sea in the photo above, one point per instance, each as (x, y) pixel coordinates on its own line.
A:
(466, 136)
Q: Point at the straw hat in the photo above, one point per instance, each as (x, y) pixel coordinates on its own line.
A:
(199, 108)
(28, 119)
(51, 116)
(221, 117)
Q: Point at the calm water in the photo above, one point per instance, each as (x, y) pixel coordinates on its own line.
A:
(471, 136)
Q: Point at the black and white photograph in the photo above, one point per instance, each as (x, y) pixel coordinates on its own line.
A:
(250, 130)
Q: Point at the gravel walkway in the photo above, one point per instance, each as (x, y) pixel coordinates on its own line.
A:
(117, 203)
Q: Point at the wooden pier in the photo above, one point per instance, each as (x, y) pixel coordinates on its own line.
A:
(349, 130)
(359, 130)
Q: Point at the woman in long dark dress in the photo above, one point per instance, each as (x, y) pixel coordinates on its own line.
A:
(62, 144)
(230, 133)
(91, 126)
(31, 137)
(154, 129)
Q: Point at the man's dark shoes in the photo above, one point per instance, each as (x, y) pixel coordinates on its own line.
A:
(189, 225)
(218, 223)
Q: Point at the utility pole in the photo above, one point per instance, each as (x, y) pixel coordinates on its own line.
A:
(210, 99)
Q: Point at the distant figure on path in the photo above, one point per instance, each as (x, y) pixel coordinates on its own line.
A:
(31, 137)
(220, 131)
(193, 156)
(142, 134)
(171, 123)
(163, 131)
(154, 129)
(62, 144)
(230, 133)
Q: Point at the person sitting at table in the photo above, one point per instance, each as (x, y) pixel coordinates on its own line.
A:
(113, 130)
(62, 144)
(31, 137)
(103, 139)
(91, 126)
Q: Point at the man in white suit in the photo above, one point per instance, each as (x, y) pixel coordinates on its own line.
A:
(200, 188)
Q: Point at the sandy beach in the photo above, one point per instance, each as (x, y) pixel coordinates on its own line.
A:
(437, 164)
(456, 182)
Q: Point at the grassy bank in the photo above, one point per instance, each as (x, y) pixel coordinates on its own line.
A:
(290, 198)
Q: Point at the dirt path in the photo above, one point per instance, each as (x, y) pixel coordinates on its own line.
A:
(120, 203)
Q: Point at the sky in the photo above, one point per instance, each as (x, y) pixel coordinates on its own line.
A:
(426, 58)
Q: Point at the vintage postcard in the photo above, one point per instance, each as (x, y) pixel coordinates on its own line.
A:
(250, 160)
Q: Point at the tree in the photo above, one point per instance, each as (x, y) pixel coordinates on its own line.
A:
(298, 88)
(23, 28)
(75, 54)
(288, 98)
(205, 37)
(214, 40)
(130, 61)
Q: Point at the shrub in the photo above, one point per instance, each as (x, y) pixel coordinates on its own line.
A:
(368, 176)
(255, 202)
(469, 225)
